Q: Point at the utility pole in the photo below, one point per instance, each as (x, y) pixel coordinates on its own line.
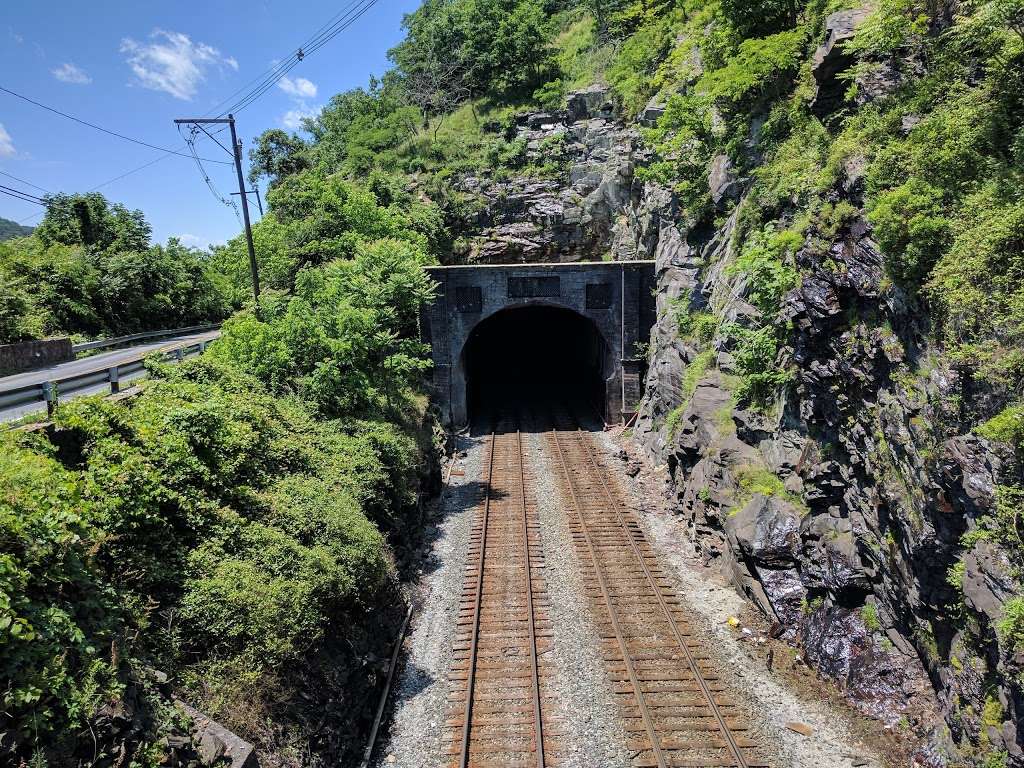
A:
(236, 154)
(256, 192)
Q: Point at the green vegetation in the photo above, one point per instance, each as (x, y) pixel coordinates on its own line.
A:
(760, 480)
(1006, 427)
(89, 269)
(1011, 626)
(206, 529)
(869, 615)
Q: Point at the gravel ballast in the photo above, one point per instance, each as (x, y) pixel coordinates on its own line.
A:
(590, 730)
(421, 691)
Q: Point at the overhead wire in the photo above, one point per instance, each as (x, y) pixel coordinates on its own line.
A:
(190, 141)
(339, 23)
(99, 127)
(283, 66)
(17, 194)
(334, 26)
(23, 181)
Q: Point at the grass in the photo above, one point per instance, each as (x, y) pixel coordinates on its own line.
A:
(754, 480)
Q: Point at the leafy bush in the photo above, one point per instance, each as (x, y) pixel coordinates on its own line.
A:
(1011, 626)
(756, 352)
(1006, 427)
(201, 524)
(912, 228)
(763, 259)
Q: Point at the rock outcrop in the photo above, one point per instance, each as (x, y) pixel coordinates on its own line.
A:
(851, 554)
(573, 214)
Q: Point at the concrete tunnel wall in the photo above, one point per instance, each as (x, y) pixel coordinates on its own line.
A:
(616, 297)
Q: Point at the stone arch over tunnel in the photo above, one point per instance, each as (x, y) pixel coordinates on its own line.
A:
(535, 355)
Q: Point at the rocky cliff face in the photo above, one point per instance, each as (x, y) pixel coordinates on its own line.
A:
(572, 213)
(840, 509)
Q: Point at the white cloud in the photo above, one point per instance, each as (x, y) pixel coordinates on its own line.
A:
(69, 73)
(292, 119)
(299, 88)
(172, 63)
(192, 241)
(6, 143)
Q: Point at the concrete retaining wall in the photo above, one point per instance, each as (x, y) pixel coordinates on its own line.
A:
(26, 355)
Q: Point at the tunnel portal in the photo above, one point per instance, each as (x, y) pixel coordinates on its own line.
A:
(505, 332)
(536, 356)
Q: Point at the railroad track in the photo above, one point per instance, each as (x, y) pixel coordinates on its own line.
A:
(673, 705)
(501, 704)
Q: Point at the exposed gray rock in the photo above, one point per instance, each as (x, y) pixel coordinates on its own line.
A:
(766, 531)
(830, 59)
(652, 112)
(722, 181)
(594, 101)
(572, 218)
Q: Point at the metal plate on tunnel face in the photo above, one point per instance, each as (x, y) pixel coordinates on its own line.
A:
(469, 299)
(599, 295)
(534, 287)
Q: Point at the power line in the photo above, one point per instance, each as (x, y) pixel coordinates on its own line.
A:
(327, 32)
(100, 128)
(34, 186)
(337, 24)
(18, 195)
(279, 69)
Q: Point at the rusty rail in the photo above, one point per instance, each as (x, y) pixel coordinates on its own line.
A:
(653, 665)
(500, 716)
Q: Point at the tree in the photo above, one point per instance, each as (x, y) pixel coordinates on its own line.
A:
(276, 155)
(91, 220)
(758, 18)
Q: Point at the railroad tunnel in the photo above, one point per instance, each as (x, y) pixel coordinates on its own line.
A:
(535, 357)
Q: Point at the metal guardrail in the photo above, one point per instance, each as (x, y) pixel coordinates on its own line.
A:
(49, 392)
(116, 342)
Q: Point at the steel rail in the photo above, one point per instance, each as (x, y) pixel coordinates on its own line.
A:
(613, 615)
(537, 720)
(723, 727)
(467, 724)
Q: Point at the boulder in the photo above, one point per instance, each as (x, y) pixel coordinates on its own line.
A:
(594, 101)
(766, 530)
(722, 181)
(652, 112)
(831, 58)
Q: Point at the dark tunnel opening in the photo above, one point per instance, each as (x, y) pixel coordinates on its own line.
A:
(534, 357)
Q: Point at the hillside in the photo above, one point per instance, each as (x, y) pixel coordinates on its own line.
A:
(833, 196)
(12, 229)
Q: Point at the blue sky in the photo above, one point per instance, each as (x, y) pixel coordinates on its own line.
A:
(134, 66)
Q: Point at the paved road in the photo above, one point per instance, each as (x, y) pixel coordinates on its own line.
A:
(94, 364)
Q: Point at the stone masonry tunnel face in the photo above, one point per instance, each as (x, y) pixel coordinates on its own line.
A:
(511, 331)
(534, 356)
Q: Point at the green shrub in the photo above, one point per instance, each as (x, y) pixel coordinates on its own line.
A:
(912, 228)
(764, 259)
(1011, 626)
(753, 480)
(1006, 427)
(756, 352)
(869, 615)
